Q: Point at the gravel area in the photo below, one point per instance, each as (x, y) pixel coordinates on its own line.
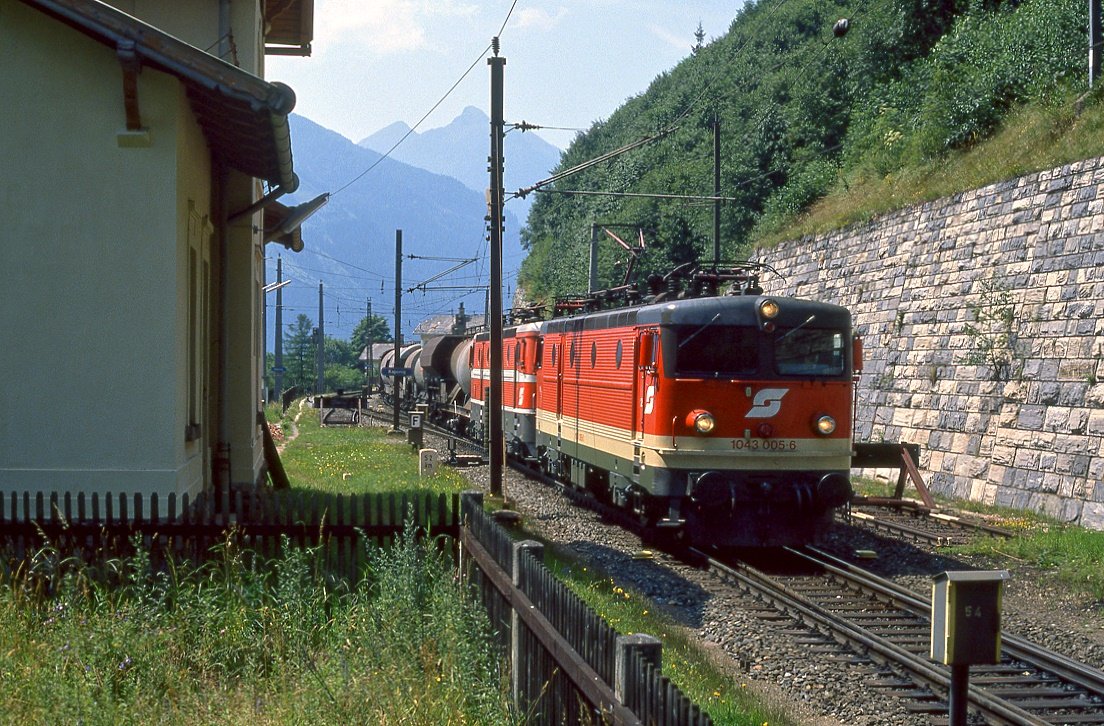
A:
(817, 684)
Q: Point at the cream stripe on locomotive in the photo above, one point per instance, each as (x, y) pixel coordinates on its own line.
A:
(522, 391)
(700, 452)
(514, 409)
(484, 374)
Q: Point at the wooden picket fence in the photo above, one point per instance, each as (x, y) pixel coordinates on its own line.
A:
(98, 527)
(567, 664)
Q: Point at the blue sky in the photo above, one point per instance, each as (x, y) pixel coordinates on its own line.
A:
(569, 62)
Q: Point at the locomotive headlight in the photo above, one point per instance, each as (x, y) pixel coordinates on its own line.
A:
(768, 309)
(702, 421)
(825, 425)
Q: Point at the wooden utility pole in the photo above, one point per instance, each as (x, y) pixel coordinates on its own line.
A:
(592, 276)
(495, 444)
(320, 351)
(368, 336)
(396, 363)
(716, 191)
(278, 367)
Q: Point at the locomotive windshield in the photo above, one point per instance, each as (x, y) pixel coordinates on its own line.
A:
(716, 350)
(809, 352)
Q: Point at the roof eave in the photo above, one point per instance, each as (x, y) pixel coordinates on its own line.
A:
(214, 86)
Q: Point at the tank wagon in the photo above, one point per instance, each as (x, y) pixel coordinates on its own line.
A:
(725, 418)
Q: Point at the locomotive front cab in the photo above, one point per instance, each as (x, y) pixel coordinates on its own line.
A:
(751, 418)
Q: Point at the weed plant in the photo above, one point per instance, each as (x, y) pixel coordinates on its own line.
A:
(274, 413)
(1074, 556)
(240, 640)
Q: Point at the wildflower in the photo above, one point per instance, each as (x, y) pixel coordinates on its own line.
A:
(125, 663)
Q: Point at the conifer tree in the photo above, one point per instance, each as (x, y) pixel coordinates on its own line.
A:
(699, 38)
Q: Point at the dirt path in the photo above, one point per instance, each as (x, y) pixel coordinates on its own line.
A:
(293, 428)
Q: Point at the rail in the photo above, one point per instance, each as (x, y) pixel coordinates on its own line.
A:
(1024, 697)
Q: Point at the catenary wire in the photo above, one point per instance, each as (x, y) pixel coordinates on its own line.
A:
(412, 129)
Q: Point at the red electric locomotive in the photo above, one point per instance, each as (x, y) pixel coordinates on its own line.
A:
(728, 417)
(520, 362)
(725, 418)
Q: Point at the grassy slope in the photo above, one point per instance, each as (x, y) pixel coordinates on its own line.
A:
(1032, 139)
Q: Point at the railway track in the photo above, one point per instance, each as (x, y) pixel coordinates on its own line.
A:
(844, 613)
(876, 619)
(920, 524)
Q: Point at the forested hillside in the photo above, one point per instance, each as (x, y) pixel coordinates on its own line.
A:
(803, 111)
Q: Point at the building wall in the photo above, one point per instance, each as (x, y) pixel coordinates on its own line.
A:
(244, 330)
(91, 309)
(197, 22)
(982, 316)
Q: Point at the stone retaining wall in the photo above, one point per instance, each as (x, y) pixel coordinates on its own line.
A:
(981, 316)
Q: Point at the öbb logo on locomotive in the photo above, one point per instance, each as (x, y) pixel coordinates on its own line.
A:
(767, 403)
(724, 419)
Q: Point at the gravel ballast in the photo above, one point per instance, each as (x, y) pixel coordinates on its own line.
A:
(818, 684)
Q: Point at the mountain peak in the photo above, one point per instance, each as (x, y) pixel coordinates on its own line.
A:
(459, 150)
(472, 112)
(386, 137)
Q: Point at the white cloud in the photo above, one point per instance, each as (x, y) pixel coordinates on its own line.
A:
(382, 26)
(539, 18)
(675, 40)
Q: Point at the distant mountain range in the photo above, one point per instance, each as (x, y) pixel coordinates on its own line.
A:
(350, 242)
(461, 148)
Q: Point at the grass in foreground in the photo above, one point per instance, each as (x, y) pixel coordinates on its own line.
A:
(240, 642)
(320, 457)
